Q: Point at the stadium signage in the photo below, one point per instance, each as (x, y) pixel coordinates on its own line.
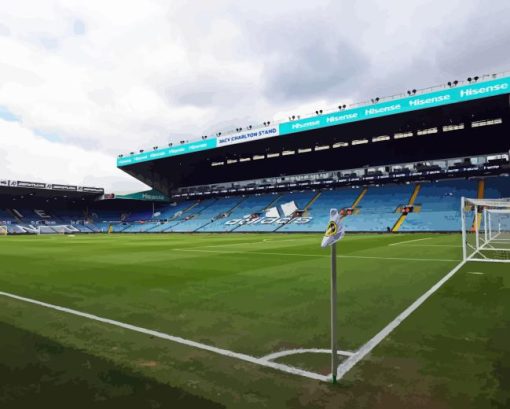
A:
(65, 187)
(269, 220)
(434, 99)
(90, 189)
(49, 186)
(168, 152)
(33, 185)
(149, 195)
(247, 136)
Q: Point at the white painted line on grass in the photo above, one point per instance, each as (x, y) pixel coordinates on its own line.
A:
(179, 340)
(403, 258)
(347, 365)
(316, 255)
(475, 272)
(409, 241)
(288, 352)
(249, 242)
(492, 260)
(430, 245)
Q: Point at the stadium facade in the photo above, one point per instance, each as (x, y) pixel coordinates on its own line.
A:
(390, 164)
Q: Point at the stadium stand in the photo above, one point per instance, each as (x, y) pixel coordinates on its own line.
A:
(439, 204)
(249, 205)
(434, 206)
(277, 206)
(377, 209)
(219, 211)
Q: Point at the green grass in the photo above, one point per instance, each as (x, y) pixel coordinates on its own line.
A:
(254, 294)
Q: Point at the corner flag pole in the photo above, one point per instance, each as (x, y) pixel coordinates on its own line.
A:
(334, 356)
(334, 232)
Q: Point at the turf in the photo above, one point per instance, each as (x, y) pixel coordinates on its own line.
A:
(257, 294)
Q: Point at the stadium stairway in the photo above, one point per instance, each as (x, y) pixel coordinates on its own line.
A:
(311, 202)
(318, 211)
(300, 199)
(207, 214)
(6, 215)
(359, 198)
(440, 205)
(376, 211)
(257, 204)
(16, 216)
(411, 202)
(188, 221)
(477, 221)
(171, 213)
(219, 214)
(174, 216)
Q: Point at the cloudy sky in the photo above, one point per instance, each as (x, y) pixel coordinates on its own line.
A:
(82, 81)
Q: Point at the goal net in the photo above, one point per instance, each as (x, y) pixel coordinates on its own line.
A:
(3, 230)
(486, 229)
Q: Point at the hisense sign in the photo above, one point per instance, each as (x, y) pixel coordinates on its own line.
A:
(433, 99)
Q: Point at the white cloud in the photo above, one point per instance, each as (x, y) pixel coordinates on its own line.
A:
(26, 156)
(113, 76)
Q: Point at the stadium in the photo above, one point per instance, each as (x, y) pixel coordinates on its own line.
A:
(210, 288)
(393, 167)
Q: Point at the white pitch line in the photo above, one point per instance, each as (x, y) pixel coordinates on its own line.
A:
(249, 242)
(281, 354)
(475, 272)
(431, 245)
(347, 365)
(316, 255)
(492, 260)
(179, 340)
(409, 241)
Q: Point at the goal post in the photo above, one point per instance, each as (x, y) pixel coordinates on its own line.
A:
(3, 230)
(485, 230)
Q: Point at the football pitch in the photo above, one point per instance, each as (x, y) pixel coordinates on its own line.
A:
(242, 320)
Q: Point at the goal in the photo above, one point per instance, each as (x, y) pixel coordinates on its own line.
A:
(486, 229)
(3, 230)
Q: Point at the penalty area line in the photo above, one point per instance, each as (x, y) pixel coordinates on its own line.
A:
(198, 345)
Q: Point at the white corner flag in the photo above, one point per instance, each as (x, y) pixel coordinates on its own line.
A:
(335, 230)
(334, 233)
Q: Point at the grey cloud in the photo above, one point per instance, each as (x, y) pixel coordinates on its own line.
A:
(480, 45)
(315, 69)
(207, 90)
